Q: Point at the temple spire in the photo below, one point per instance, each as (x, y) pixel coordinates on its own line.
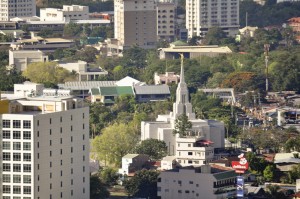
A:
(181, 70)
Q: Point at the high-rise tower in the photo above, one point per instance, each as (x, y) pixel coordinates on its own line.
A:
(17, 8)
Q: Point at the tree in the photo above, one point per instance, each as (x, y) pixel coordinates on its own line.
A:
(143, 184)
(97, 188)
(269, 173)
(156, 149)
(47, 72)
(109, 176)
(214, 36)
(116, 141)
(87, 54)
(182, 125)
(72, 30)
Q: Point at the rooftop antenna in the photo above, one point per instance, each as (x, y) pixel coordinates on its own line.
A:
(246, 19)
(266, 49)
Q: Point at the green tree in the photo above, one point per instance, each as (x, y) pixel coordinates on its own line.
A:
(269, 173)
(72, 30)
(97, 188)
(143, 184)
(116, 141)
(182, 125)
(87, 54)
(47, 72)
(109, 176)
(156, 149)
(214, 36)
(46, 32)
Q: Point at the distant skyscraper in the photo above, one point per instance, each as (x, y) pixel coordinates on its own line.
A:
(166, 21)
(17, 8)
(204, 14)
(135, 23)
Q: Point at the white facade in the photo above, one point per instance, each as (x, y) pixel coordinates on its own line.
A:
(45, 147)
(68, 13)
(135, 23)
(21, 58)
(202, 15)
(196, 148)
(132, 163)
(17, 8)
(200, 183)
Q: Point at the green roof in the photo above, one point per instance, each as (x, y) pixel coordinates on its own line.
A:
(115, 90)
(179, 43)
(95, 91)
(225, 175)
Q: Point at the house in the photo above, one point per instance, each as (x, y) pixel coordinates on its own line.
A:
(294, 23)
(108, 95)
(204, 182)
(147, 93)
(132, 163)
(168, 163)
(167, 78)
(285, 161)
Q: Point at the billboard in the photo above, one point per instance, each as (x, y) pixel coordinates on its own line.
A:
(240, 186)
(240, 166)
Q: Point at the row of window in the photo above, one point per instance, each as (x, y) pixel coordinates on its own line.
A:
(16, 124)
(16, 167)
(16, 156)
(16, 189)
(16, 135)
(16, 146)
(6, 178)
(60, 119)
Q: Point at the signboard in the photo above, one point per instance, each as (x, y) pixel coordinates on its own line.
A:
(240, 166)
(240, 186)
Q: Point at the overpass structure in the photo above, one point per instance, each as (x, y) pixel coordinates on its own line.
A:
(223, 93)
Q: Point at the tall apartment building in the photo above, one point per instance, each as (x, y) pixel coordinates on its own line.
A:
(204, 14)
(17, 8)
(135, 23)
(44, 144)
(166, 21)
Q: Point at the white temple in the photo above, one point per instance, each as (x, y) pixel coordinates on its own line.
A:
(195, 149)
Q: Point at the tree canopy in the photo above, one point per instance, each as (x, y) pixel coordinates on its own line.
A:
(156, 149)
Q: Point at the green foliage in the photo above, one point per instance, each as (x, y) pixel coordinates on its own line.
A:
(46, 32)
(143, 184)
(109, 176)
(214, 36)
(87, 54)
(256, 164)
(182, 125)
(269, 173)
(102, 31)
(47, 72)
(72, 30)
(97, 188)
(156, 149)
(116, 141)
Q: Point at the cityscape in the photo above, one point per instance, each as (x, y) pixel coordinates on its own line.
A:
(150, 99)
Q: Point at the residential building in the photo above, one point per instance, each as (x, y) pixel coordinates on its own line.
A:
(202, 15)
(132, 163)
(166, 21)
(203, 182)
(19, 59)
(11, 9)
(85, 73)
(147, 93)
(167, 78)
(45, 144)
(108, 95)
(294, 23)
(67, 13)
(135, 23)
(286, 161)
(174, 51)
(197, 146)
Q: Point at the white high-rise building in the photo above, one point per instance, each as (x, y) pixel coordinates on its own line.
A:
(204, 14)
(135, 23)
(44, 144)
(17, 8)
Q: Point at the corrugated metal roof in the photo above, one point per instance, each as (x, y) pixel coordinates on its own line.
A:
(86, 85)
(152, 89)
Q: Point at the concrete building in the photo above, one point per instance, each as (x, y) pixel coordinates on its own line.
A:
(203, 182)
(21, 58)
(294, 23)
(108, 95)
(148, 93)
(132, 163)
(67, 13)
(45, 145)
(167, 78)
(135, 23)
(192, 51)
(202, 15)
(166, 21)
(10, 9)
(197, 146)
(84, 72)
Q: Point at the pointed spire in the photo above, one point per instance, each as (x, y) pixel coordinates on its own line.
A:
(182, 70)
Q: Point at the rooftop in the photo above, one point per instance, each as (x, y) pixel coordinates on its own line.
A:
(152, 89)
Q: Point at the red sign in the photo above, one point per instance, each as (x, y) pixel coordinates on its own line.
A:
(240, 166)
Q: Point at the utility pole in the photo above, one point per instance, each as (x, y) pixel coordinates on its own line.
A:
(266, 49)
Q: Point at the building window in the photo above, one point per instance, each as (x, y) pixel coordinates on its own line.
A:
(26, 179)
(17, 178)
(50, 121)
(26, 124)
(16, 124)
(5, 178)
(17, 156)
(6, 156)
(17, 145)
(17, 167)
(60, 119)
(50, 153)
(6, 188)
(83, 147)
(26, 135)
(26, 168)
(50, 175)
(6, 145)
(50, 185)
(6, 135)
(190, 153)
(16, 135)
(60, 140)
(27, 157)
(71, 138)
(191, 182)
(6, 167)
(190, 161)
(27, 190)
(27, 146)
(6, 123)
